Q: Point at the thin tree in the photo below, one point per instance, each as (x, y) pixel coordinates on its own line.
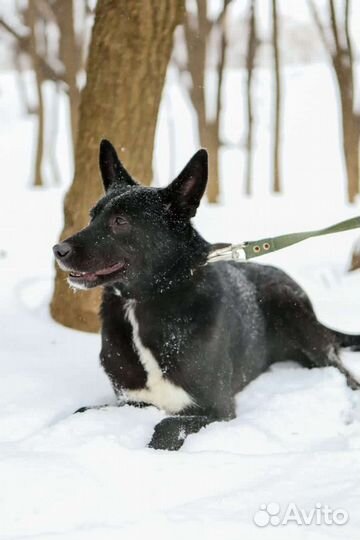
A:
(39, 79)
(60, 64)
(129, 53)
(198, 30)
(277, 108)
(338, 45)
(70, 54)
(355, 257)
(250, 65)
(26, 43)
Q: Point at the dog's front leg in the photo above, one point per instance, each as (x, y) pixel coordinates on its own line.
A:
(90, 408)
(138, 404)
(171, 432)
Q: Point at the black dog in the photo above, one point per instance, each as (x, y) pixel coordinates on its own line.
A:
(177, 334)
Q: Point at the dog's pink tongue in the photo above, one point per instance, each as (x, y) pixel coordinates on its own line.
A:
(90, 277)
(110, 269)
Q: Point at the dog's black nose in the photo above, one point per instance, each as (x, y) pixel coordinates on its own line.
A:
(61, 251)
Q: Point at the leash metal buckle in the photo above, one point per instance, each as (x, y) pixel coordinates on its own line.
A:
(229, 253)
(249, 250)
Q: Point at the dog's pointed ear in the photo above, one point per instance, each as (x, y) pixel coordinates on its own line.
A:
(184, 194)
(112, 170)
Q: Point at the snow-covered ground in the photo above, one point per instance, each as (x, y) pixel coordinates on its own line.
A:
(297, 435)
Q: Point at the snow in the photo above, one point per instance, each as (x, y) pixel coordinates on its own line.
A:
(296, 438)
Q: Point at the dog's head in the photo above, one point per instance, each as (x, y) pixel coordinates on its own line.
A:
(137, 236)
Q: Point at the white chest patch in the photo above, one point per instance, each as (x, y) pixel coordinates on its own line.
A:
(159, 391)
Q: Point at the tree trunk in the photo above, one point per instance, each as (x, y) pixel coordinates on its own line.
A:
(213, 191)
(210, 140)
(197, 39)
(342, 59)
(196, 42)
(38, 179)
(350, 127)
(250, 64)
(129, 53)
(340, 50)
(69, 56)
(355, 257)
(351, 150)
(276, 142)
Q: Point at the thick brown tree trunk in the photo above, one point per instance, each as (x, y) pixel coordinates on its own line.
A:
(129, 53)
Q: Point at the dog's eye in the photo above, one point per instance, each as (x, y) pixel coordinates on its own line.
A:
(118, 222)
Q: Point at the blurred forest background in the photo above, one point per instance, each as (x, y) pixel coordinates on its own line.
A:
(230, 64)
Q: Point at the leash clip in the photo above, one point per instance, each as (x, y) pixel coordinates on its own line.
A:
(234, 252)
(248, 250)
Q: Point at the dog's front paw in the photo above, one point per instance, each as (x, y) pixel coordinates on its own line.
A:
(91, 408)
(167, 435)
(81, 410)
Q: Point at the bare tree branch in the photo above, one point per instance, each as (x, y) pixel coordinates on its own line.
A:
(220, 18)
(316, 17)
(334, 27)
(13, 32)
(46, 10)
(24, 43)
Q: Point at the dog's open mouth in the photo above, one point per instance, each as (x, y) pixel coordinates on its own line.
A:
(100, 275)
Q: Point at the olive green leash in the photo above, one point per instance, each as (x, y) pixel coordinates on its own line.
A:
(250, 250)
